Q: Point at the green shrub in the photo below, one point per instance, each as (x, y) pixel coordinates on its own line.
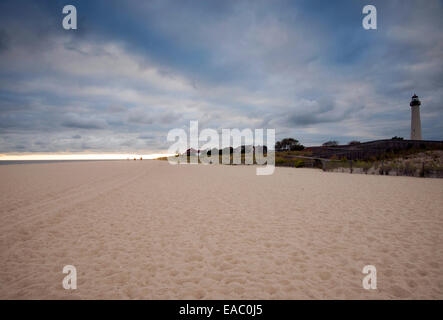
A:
(298, 163)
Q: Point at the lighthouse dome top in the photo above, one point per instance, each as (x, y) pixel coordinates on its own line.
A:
(415, 101)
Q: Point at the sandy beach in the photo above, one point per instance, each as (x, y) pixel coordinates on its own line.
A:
(150, 230)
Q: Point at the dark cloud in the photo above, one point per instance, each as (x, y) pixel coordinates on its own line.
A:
(146, 137)
(140, 118)
(135, 70)
(4, 41)
(76, 122)
(115, 108)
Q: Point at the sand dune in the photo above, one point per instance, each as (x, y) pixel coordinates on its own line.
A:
(149, 230)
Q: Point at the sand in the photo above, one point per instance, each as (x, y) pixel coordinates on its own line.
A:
(149, 230)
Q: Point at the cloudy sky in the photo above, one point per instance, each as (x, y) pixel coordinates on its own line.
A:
(133, 70)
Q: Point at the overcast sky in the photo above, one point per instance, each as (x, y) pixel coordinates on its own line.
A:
(133, 70)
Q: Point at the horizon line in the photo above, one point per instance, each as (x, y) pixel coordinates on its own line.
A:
(89, 156)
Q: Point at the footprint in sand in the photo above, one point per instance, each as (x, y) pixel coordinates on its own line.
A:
(412, 283)
(324, 275)
(399, 292)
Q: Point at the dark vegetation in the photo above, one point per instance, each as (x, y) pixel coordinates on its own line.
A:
(385, 157)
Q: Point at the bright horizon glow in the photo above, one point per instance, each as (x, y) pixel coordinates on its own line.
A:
(109, 156)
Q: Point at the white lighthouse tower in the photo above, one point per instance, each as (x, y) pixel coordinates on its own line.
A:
(415, 118)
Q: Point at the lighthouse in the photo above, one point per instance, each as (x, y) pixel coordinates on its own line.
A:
(415, 118)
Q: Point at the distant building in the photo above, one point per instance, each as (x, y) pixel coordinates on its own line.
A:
(415, 118)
